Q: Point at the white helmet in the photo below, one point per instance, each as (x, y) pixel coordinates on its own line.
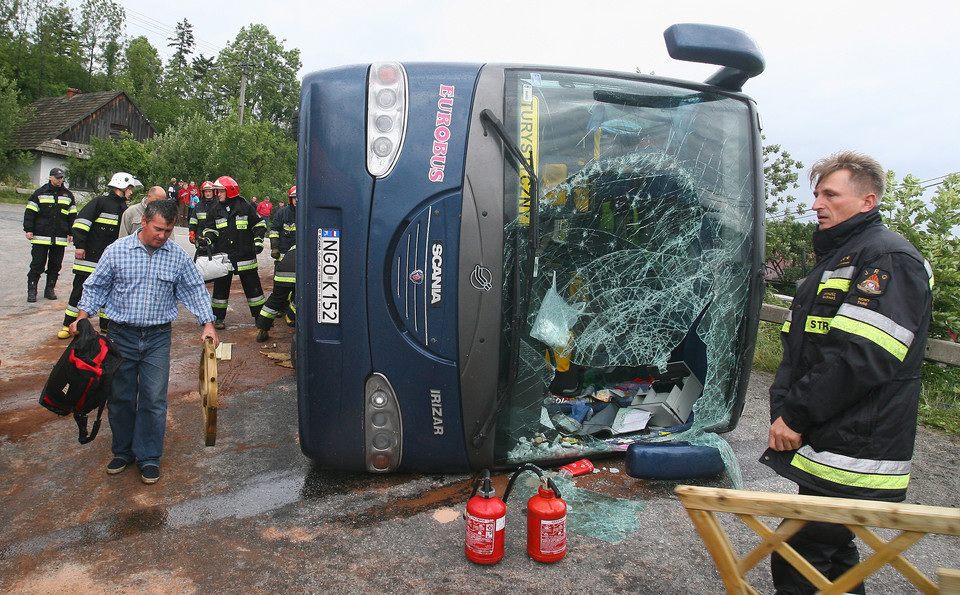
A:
(123, 180)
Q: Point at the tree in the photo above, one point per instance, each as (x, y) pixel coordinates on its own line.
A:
(260, 156)
(273, 89)
(178, 75)
(56, 51)
(203, 69)
(11, 116)
(930, 225)
(144, 70)
(788, 240)
(108, 156)
(101, 34)
(142, 78)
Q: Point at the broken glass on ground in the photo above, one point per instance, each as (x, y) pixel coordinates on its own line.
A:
(646, 222)
(589, 513)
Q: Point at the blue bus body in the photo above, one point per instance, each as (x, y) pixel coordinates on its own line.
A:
(430, 337)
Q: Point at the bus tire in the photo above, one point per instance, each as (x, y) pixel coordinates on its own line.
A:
(673, 460)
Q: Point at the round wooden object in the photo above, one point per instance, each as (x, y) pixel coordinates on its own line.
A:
(208, 391)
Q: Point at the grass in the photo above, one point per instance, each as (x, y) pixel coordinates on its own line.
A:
(939, 395)
(12, 196)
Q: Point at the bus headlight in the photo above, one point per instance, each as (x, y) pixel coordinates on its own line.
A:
(382, 427)
(386, 116)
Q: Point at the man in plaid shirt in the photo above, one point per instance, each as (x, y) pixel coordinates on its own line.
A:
(138, 282)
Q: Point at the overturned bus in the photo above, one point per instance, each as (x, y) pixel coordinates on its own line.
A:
(514, 263)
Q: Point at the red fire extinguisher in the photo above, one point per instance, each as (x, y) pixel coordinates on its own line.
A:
(546, 523)
(486, 522)
(546, 518)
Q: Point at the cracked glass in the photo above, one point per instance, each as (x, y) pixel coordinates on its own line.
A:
(627, 264)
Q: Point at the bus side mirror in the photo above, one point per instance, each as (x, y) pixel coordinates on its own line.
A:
(730, 48)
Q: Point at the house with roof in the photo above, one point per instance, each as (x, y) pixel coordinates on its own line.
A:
(62, 126)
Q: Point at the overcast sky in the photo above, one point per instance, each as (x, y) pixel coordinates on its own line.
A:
(879, 77)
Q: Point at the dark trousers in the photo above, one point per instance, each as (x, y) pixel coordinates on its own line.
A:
(277, 305)
(70, 315)
(44, 256)
(828, 547)
(250, 280)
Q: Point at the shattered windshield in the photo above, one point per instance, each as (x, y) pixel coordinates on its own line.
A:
(633, 311)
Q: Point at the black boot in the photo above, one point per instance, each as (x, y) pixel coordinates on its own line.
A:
(31, 290)
(48, 290)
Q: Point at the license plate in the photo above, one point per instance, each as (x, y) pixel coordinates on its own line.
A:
(328, 276)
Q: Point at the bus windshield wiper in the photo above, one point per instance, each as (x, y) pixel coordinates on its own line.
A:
(521, 290)
(652, 101)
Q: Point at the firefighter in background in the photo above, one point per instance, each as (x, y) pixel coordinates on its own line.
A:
(199, 218)
(47, 220)
(233, 227)
(283, 230)
(281, 299)
(96, 227)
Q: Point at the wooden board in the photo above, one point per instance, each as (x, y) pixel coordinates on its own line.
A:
(208, 391)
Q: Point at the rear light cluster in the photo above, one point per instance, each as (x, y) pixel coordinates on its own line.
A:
(382, 428)
(386, 116)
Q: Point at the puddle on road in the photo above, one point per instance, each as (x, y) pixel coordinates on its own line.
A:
(260, 494)
(590, 513)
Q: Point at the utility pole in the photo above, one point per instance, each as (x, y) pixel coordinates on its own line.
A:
(243, 88)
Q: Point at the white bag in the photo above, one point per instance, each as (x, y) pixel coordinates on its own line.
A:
(555, 318)
(213, 266)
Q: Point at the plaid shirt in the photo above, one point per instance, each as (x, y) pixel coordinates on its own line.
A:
(137, 288)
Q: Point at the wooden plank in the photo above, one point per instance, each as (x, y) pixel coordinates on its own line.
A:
(949, 580)
(715, 538)
(921, 582)
(904, 517)
(945, 352)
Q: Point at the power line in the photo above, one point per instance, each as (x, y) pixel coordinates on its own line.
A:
(159, 28)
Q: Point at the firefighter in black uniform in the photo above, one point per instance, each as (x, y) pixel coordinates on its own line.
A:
(281, 299)
(96, 227)
(233, 227)
(47, 220)
(843, 404)
(283, 228)
(283, 237)
(199, 218)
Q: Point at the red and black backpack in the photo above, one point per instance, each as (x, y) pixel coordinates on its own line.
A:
(82, 379)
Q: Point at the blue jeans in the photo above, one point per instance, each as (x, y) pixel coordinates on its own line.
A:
(138, 408)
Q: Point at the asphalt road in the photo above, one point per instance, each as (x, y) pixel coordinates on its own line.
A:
(253, 515)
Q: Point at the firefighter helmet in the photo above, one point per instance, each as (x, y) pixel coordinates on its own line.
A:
(228, 184)
(207, 185)
(122, 180)
(293, 192)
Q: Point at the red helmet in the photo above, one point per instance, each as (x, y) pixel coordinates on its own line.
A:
(229, 184)
(207, 185)
(293, 192)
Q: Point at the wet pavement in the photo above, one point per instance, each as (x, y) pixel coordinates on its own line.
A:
(253, 515)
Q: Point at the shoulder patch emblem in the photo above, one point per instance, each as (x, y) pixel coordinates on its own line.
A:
(873, 281)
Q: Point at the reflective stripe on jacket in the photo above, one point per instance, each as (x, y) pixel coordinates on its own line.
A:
(234, 228)
(283, 228)
(98, 225)
(49, 215)
(853, 344)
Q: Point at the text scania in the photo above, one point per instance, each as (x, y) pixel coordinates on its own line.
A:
(441, 133)
(436, 408)
(436, 274)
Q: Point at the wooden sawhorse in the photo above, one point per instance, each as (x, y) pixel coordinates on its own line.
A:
(913, 521)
